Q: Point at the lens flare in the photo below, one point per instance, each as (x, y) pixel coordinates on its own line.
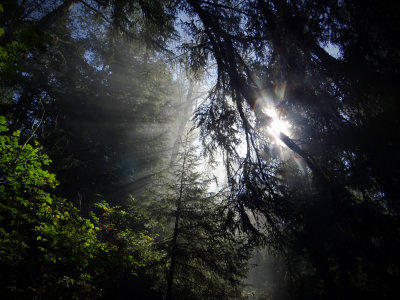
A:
(298, 163)
(279, 90)
(278, 124)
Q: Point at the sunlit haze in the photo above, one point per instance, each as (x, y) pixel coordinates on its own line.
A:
(278, 124)
(199, 149)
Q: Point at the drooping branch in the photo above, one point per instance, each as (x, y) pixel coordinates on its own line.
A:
(230, 62)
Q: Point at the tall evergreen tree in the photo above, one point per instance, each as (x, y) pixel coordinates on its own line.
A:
(203, 259)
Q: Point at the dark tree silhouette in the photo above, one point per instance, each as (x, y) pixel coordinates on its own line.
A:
(338, 218)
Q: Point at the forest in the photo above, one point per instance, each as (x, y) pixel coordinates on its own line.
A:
(199, 149)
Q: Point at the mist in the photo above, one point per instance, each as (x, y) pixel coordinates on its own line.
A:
(199, 150)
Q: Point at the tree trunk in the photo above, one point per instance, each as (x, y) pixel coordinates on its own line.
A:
(184, 119)
(171, 271)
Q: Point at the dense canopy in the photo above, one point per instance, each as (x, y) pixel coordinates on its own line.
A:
(296, 99)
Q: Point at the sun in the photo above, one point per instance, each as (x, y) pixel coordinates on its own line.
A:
(278, 125)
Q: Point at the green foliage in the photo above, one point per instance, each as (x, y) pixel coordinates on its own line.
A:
(46, 249)
(104, 92)
(24, 40)
(8, 54)
(128, 244)
(45, 245)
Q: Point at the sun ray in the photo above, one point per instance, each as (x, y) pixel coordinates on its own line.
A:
(277, 125)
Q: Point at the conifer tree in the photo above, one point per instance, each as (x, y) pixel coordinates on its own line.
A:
(202, 259)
